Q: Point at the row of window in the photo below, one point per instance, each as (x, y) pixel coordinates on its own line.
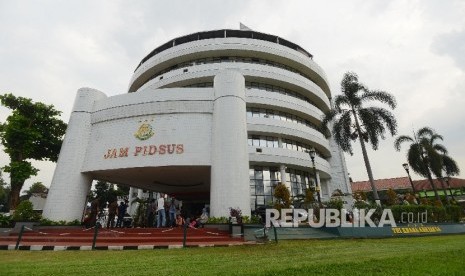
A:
(278, 89)
(226, 59)
(262, 86)
(200, 84)
(273, 142)
(264, 179)
(279, 115)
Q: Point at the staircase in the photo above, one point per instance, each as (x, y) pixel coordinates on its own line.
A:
(119, 238)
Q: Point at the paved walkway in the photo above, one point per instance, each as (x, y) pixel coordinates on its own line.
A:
(117, 239)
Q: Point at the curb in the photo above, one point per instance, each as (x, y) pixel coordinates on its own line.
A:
(109, 247)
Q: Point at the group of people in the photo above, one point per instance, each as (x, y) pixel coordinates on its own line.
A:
(161, 212)
(167, 213)
(114, 211)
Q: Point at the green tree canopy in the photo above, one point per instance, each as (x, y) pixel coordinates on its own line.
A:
(32, 131)
(352, 120)
(282, 196)
(425, 154)
(105, 192)
(36, 188)
(4, 193)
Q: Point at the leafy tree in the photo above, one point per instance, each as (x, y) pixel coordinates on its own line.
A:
(32, 131)
(4, 193)
(352, 120)
(283, 197)
(425, 155)
(25, 212)
(122, 190)
(105, 192)
(391, 197)
(36, 188)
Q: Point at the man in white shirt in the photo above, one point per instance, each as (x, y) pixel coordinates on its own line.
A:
(161, 215)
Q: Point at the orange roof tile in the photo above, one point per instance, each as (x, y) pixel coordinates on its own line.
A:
(400, 183)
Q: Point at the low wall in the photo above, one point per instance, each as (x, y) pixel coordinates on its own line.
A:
(254, 232)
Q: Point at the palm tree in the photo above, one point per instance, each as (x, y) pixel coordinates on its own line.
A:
(351, 120)
(426, 156)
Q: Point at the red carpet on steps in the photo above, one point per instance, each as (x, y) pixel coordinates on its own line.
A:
(121, 237)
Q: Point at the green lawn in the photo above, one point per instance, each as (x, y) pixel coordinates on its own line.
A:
(438, 255)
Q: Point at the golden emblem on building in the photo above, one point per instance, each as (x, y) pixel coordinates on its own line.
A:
(144, 132)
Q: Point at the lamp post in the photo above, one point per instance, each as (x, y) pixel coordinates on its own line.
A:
(406, 167)
(312, 154)
(424, 157)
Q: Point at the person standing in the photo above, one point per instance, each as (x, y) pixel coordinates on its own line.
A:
(112, 210)
(121, 212)
(161, 215)
(172, 212)
(94, 209)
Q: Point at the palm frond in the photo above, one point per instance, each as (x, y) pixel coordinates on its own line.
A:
(340, 101)
(450, 166)
(425, 132)
(380, 96)
(342, 132)
(328, 117)
(375, 119)
(415, 160)
(400, 140)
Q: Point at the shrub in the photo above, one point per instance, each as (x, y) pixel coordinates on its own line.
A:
(25, 212)
(217, 220)
(283, 197)
(5, 221)
(335, 203)
(391, 197)
(47, 222)
(451, 213)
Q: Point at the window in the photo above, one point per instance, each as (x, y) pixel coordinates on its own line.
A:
(262, 181)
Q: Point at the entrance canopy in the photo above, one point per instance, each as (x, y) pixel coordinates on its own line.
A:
(184, 182)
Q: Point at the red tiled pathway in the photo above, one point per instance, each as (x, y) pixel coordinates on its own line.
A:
(119, 237)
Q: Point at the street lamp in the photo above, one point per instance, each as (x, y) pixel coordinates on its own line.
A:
(406, 167)
(312, 154)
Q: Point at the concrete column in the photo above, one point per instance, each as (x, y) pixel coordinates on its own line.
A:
(280, 142)
(282, 171)
(230, 157)
(68, 191)
(131, 209)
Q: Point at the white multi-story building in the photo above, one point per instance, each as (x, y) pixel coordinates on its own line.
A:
(216, 117)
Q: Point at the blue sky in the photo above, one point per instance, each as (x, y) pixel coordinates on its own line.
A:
(412, 49)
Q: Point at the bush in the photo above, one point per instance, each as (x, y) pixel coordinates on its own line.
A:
(335, 203)
(47, 222)
(451, 213)
(217, 220)
(5, 221)
(283, 197)
(25, 212)
(391, 197)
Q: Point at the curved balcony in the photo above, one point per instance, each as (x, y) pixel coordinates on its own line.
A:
(291, 130)
(229, 47)
(206, 72)
(277, 101)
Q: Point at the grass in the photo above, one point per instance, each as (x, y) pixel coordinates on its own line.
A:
(433, 255)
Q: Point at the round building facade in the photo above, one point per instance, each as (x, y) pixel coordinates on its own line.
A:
(215, 118)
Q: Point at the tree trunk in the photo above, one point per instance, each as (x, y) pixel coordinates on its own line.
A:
(367, 161)
(14, 195)
(444, 190)
(428, 173)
